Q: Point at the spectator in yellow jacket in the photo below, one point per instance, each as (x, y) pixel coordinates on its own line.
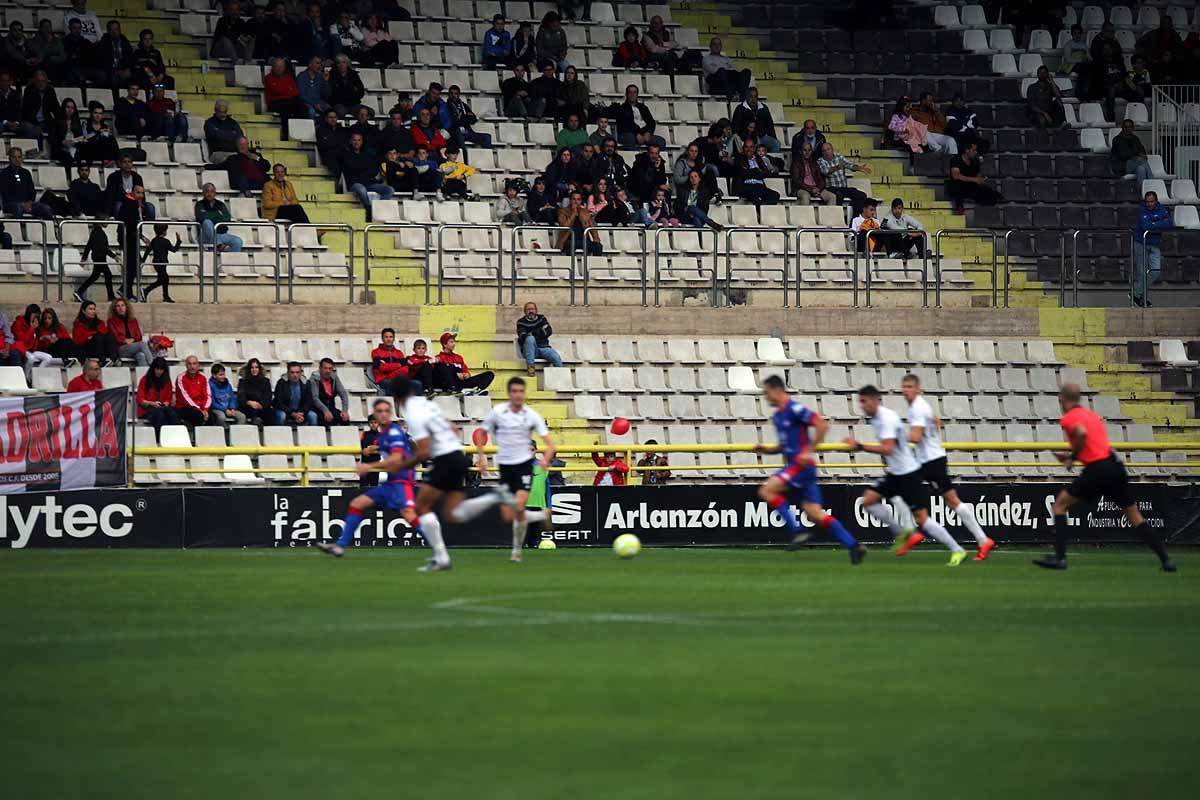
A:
(279, 198)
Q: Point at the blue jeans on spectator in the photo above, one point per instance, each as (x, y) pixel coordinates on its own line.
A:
(728, 82)
(772, 144)
(643, 217)
(36, 209)
(531, 352)
(696, 217)
(209, 230)
(283, 418)
(465, 136)
(172, 126)
(360, 191)
(1153, 268)
(628, 141)
(1140, 168)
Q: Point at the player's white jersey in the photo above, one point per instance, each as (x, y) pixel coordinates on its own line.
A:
(425, 421)
(888, 425)
(920, 415)
(511, 431)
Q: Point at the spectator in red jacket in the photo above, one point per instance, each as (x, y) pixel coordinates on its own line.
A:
(631, 54)
(52, 337)
(420, 365)
(155, 396)
(193, 400)
(127, 333)
(387, 361)
(283, 94)
(91, 336)
(612, 469)
(88, 380)
(450, 373)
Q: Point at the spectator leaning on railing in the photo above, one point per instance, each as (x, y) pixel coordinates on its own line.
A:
(1153, 216)
(533, 338)
(330, 399)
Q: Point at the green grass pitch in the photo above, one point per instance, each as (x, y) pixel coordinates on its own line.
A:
(678, 674)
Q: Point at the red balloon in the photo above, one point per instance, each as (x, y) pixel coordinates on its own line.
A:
(480, 437)
(620, 426)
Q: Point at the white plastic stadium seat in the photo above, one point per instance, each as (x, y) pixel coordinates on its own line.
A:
(946, 17)
(973, 15)
(1093, 139)
(741, 380)
(976, 41)
(1173, 352)
(12, 381)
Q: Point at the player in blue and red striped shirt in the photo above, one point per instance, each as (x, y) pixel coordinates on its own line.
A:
(797, 480)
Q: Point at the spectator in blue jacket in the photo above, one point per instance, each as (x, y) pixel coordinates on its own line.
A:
(314, 89)
(497, 45)
(224, 398)
(432, 99)
(1153, 216)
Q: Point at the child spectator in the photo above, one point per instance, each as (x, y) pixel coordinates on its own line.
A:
(254, 393)
(658, 211)
(91, 337)
(155, 397)
(450, 372)
(612, 470)
(863, 224)
(510, 206)
(157, 250)
(370, 451)
(98, 251)
(455, 172)
(224, 398)
(497, 45)
(399, 173)
(429, 177)
(420, 365)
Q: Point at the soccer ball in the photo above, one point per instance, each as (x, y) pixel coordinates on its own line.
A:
(627, 545)
(547, 544)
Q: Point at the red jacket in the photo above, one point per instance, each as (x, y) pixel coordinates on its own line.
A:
(191, 391)
(632, 53)
(81, 334)
(387, 362)
(415, 362)
(26, 339)
(80, 383)
(610, 466)
(456, 360)
(432, 142)
(147, 392)
(43, 336)
(283, 87)
(125, 331)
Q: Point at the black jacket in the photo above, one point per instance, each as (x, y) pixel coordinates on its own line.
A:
(282, 401)
(114, 190)
(399, 138)
(87, 199)
(345, 90)
(703, 199)
(16, 185)
(151, 59)
(622, 115)
(10, 105)
(798, 142)
(361, 167)
(539, 328)
(256, 389)
(1124, 148)
(129, 116)
(330, 141)
(644, 177)
(109, 57)
(222, 134)
(614, 168)
(761, 116)
(129, 214)
(45, 102)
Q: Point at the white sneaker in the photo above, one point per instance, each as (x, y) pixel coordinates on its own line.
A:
(432, 565)
(331, 548)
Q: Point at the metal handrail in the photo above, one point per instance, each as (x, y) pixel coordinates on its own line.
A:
(190, 225)
(327, 226)
(514, 248)
(1075, 261)
(640, 230)
(731, 231)
(853, 270)
(924, 263)
(937, 258)
(1062, 263)
(396, 226)
(658, 254)
(60, 248)
(45, 223)
(216, 276)
(494, 226)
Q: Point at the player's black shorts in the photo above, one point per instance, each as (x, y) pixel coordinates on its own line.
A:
(517, 477)
(1106, 478)
(908, 488)
(937, 475)
(449, 472)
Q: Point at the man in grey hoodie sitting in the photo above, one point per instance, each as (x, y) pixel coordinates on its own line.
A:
(901, 232)
(330, 399)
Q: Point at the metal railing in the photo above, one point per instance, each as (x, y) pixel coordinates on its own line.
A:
(1062, 265)
(640, 230)
(61, 247)
(849, 234)
(424, 227)
(871, 268)
(730, 232)
(472, 226)
(979, 233)
(1175, 129)
(325, 226)
(216, 251)
(515, 246)
(190, 225)
(658, 253)
(45, 226)
(1075, 261)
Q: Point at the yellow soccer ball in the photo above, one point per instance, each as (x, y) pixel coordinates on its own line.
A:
(547, 544)
(627, 545)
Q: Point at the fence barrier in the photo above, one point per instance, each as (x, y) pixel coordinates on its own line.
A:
(515, 247)
(732, 231)
(401, 227)
(871, 268)
(62, 267)
(980, 233)
(136, 255)
(216, 251)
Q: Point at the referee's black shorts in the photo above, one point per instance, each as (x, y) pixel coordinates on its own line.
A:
(908, 488)
(517, 477)
(1106, 478)
(937, 474)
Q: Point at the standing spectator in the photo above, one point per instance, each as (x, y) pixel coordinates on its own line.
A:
(222, 133)
(1152, 217)
(127, 333)
(722, 74)
(613, 470)
(282, 94)
(91, 337)
(148, 67)
(211, 212)
(462, 121)
(370, 451)
(901, 232)
(346, 89)
(133, 211)
(654, 477)
(224, 398)
(808, 184)
(39, 104)
(388, 361)
(1128, 154)
(155, 398)
(648, 173)
(98, 253)
(330, 400)
(764, 125)
(314, 89)
(279, 198)
(52, 337)
(551, 41)
(754, 167)
(165, 117)
(86, 198)
(193, 397)
(360, 173)
(548, 89)
(312, 37)
(497, 45)
(631, 53)
(962, 123)
(120, 184)
(810, 135)
(377, 45)
(89, 23)
(232, 37)
(248, 170)
(692, 203)
(17, 189)
(588, 168)
(450, 371)
(834, 167)
(88, 380)
(524, 46)
(928, 114)
(158, 253)
(293, 402)
(635, 124)
(114, 58)
(132, 115)
(533, 339)
(967, 183)
(1043, 101)
(510, 206)
(254, 393)
(517, 100)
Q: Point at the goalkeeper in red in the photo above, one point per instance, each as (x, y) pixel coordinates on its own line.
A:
(798, 478)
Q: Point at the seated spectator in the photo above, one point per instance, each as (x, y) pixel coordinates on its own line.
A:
(562, 176)
(619, 211)
(89, 23)
(1152, 217)
(66, 134)
(524, 46)
(426, 133)
(901, 232)
(551, 42)
(654, 477)
(14, 50)
(1107, 36)
(1154, 43)
(1168, 73)
(193, 396)
(330, 400)
(282, 95)
(833, 168)
(274, 34)
(360, 173)
(148, 68)
(612, 165)
(127, 333)
(808, 184)
(165, 117)
(91, 337)
(751, 110)
(717, 150)
(132, 114)
(46, 52)
(497, 45)
(571, 136)
(912, 133)
(692, 203)
(450, 373)
(1128, 154)
(967, 183)
(598, 200)
(691, 159)
(79, 69)
(420, 365)
(548, 89)
(314, 89)
(293, 402)
(580, 228)
(533, 339)
(928, 114)
(332, 141)
(98, 253)
(313, 36)
(722, 75)
(810, 135)
(155, 397)
(86, 198)
(1140, 79)
(114, 58)
(648, 173)
(462, 121)
(635, 123)
(517, 100)
(962, 123)
(224, 398)
(396, 135)
(51, 337)
(429, 174)
(17, 189)
(1114, 81)
(39, 104)
(862, 225)
(232, 37)
(600, 133)
(570, 8)
(574, 96)
(347, 38)
(540, 203)
(248, 170)
(221, 133)
(11, 123)
(1075, 60)
(254, 393)
(88, 380)
(658, 211)
(99, 145)
(455, 172)
(754, 167)
(377, 45)
(631, 53)
(388, 362)
(589, 168)
(665, 53)
(346, 90)
(364, 124)
(613, 470)
(1043, 101)
(399, 172)
(279, 198)
(510, 207)
(211, 212)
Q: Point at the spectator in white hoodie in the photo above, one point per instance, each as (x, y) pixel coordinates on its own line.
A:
(901, 232)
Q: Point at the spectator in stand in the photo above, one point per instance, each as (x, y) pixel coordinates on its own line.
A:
(1107, 36)
(158, 254)
(1128, 154)
(612, 165)
(834, 168)
(47, 52)
(364, 123)
(913, 134)
(1115, 81)
(533, 339)
(901, 232)
(754, 167)
(360, 172)
(810, 135)
(273, 33)
(388, 362)
(427, 133)
(648, 173)
(692, 204)
(1075, 60)
(613, 470)
(148, 68)
(14, 50)
(232, 37)
(332, 141)
(396, 135)
(562, 176)
(52, 337)
(571, 136)
(1161, 40)
(524, 46)
(722, 75)
(293, 401)
(574, 96)
(1168, 73)
(127, 333)
(510, 207)
(347, 39)
(377, 45)
(620, 210)
(66, 134)
(631, 53)
(368, 441)
(808, 184)
(10, 109)
(600, 133)
(133, 211)
(598, 200)
(279, 198)
(399, 172)
(346, 90)
(120, 184)
(254, 393)
(589, 168)
(282, 94)
(764, 125)
(91, 337)
(89, 23)
(635, 123)
(551, 41)
(691, 159)
(86, 198)
(429, 175)
(99, 145)
(165, 117)
(330, 400)
(97, 252)
(497, 45)
(88, 380)
(713, 149)
(311, 36)
(569, 8)
(548, 89)
(114, 58)
(862, 225)
(455, 173)
(80, 66)
(967, 183)
(580, 228)
(540, 203)
(517, 100)
(1140, 78)
(132, 115)
(39, 104)
(1043, 100)
(222, 133)
(420, 365)
(1152, 218)
(193, 397)
(224, 398)
(665, 52)
(211, 212)
(155, 398)
(962, 124)
(17, 189)
(450, 371)
(658, 211)
(462, 121)
(654, 477)
(248, 170)
(314, 89)
(928, 114)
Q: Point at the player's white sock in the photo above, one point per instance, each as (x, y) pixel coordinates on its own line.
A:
(941, 534)
(472, 507)
(884, 514)
(519, 529)
(901, 510)
(536, 516)
(431, 529)
(967, 514)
